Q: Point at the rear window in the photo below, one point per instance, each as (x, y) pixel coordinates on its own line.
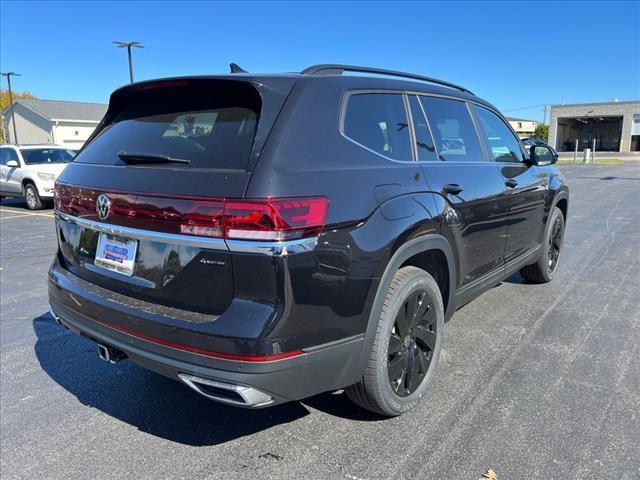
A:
(211, 127)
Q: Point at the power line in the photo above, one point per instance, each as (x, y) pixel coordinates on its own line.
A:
(525, 108)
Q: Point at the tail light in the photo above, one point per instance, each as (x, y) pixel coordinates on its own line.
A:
(270, 219)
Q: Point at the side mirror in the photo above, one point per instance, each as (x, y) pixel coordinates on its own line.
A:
(12, 164)
(542, 155)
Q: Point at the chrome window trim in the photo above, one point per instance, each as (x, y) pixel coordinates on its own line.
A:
(274, 249)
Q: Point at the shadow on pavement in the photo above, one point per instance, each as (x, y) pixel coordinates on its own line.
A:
(157, 405)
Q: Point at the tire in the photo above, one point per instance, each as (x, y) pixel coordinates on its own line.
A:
(543, 270)
(31, 197)
(409, 344)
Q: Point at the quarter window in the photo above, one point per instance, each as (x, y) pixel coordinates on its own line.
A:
(453, 129)
(501, 142)
(424, 141)
(378, 121)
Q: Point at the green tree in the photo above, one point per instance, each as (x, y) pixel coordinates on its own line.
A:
(542, 132)
(4, 103)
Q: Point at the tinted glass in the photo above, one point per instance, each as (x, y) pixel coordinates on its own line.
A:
(378, 121)
(212, 128)
(7, 155)
(424, 141)
(502, 143)
(33, 156)
(453, 129)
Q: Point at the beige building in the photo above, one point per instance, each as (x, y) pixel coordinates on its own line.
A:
(614, 126)
(53, 121)
(524, 128)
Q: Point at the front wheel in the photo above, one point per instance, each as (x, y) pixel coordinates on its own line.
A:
(31, 197)
(406, 346)
(543, 270)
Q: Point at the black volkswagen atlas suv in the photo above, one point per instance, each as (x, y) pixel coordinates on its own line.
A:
(264, 238)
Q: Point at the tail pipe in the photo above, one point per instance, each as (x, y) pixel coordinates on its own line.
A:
(236, 395)
(110, 354)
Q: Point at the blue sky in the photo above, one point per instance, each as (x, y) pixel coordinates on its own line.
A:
(514, 54)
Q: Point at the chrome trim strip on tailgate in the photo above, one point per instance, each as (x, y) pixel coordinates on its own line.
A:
(274, 249)
(174, 238)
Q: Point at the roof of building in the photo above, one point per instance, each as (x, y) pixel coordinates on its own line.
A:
(64, 110)
(595, 103)
(514, 119)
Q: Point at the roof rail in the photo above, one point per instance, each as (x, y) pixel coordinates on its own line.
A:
(337, 69)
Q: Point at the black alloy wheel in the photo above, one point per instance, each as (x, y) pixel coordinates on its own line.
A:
(555, 243)
(412, 343)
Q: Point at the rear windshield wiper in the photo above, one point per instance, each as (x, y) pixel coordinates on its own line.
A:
(132, 158)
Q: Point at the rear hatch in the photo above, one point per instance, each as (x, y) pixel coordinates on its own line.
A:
(137, 208)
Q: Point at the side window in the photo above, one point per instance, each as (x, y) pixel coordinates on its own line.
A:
(8, 154)
(424, 141)
(502, 143)
(12, 155)
(453, 129)
(378, 121)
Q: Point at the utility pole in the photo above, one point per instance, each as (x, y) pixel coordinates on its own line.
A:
(544, 119)
(13, 115)
(129, 46)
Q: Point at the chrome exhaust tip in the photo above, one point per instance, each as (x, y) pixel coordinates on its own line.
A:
(110, 354)
(230, 394)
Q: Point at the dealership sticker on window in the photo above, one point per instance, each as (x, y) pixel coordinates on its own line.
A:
(116, 253)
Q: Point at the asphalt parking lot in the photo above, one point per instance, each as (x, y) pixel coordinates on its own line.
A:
(535, 381)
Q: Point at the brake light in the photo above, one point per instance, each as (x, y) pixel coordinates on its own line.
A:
(270, 219)
(275, 218)
(166, 84)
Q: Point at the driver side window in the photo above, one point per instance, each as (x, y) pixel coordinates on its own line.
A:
(502, 144)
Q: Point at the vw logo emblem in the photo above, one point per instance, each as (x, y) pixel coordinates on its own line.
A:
(103, 206)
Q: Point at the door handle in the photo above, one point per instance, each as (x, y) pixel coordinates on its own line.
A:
(511, 182)
(452, 188)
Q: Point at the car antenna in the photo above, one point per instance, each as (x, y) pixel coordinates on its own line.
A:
(235, 68)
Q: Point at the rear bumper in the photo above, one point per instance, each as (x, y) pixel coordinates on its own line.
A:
(315, 370)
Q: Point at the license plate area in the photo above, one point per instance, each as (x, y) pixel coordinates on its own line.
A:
(116, 253)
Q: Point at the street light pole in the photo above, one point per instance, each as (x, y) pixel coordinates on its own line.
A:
(13, 115)
(129, 46)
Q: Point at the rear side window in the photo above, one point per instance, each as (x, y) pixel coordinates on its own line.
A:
(453, 129)
(378, 121)
(213, 128)
(501, 142)
(424, 141)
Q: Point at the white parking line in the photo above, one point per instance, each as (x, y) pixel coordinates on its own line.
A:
(16, 214)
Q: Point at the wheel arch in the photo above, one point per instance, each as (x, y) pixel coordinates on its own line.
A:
(561, 201)
(403, 256)
(26, 181)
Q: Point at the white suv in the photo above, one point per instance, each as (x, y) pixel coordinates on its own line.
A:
(29, 171)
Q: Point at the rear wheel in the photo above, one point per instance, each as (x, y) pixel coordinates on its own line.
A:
(543, 270)
(406, 346)
(31, 197)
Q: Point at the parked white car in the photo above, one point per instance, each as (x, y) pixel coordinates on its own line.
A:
(30, 171)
